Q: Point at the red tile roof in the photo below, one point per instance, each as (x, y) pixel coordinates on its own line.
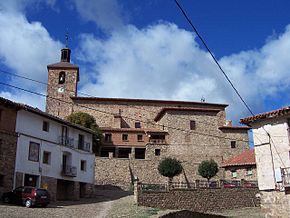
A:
(243, 159)
(163, 111)
(266, 115)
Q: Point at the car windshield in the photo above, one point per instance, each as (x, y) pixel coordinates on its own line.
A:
(41, 192)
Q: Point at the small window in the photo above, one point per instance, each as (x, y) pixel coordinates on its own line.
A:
(108, 137)
(140, 153)
(83, 165)
(233, 144)
(1, 180)
(33, 154)
(125, 137)
(45, 126)
(234, 174)
(192, 125)
(61, 78)
(137, 125)
(249, 171)
(140, 138)
(46, 157)
(157, 152)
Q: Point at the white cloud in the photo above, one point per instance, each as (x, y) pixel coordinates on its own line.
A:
(107, 14)
(164, 62)
(26, 48)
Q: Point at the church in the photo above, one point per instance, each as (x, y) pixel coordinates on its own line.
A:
(139, 133)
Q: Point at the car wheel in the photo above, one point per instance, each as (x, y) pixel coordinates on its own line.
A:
(28, 203)
(6, 199)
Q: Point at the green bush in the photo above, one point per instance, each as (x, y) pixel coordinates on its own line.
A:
(208, 169)
(170, 167)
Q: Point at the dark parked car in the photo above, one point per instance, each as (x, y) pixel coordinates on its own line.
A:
(28, 196)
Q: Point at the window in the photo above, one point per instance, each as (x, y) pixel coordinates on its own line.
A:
(137, 125)
(83, 165)
(33, 152)
(249, 171)
(46, 157)
(124, 152)
(140, 153)
(108, 137)
(106, 150)
(45, 126)
(233, 144)
(140, 138)
(1, 180)
(192, 125)
(81, 142)
(234, 174)
(157, 152)
(125, 137)
(61, 78)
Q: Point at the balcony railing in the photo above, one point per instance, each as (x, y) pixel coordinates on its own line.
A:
(68, 170)
(66, 141)
(86, 146)
(157, 141)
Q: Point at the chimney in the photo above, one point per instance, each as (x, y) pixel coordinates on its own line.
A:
(118, 120)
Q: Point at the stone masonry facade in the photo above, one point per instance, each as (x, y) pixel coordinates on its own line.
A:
(8, 145)
(165, 127)
(200, 200)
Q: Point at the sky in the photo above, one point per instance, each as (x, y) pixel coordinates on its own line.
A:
(146, 49)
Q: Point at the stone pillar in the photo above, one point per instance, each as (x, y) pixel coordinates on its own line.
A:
(111, 155)
(137, 189)
(132, 155)
(197, 183)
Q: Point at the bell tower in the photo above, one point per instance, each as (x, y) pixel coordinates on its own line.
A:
(63, 78)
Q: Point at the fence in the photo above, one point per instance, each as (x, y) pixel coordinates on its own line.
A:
(198, 184)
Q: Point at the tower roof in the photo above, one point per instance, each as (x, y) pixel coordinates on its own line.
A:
(64, 62)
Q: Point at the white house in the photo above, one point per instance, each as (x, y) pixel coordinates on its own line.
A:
(54, 154)
(272, 150)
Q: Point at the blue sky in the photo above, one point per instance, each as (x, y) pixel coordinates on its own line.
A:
(146, 49)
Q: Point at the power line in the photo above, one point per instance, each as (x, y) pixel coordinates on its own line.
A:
(129, 118)
(140, 108)
(213, 57)
(224, 73)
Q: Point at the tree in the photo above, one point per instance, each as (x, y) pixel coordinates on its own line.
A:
(169, 167)
(88, 121)
(208, 169)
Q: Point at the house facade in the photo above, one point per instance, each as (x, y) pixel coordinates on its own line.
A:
(241, 166)
(52, 153)
(271, 139)
(138, 133)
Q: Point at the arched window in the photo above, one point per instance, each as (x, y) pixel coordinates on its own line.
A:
(61, 78)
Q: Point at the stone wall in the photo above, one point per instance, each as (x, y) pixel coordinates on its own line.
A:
(50, 184)
(8, 144)
(200, 200)
(275, 203)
